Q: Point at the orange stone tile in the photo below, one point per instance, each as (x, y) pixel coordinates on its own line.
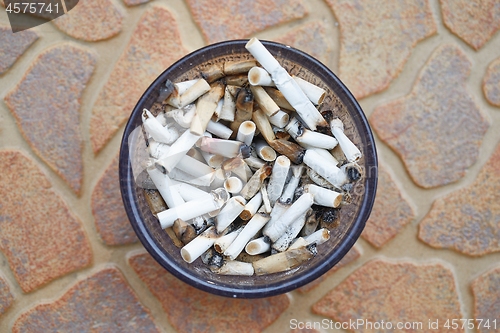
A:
(155, 44)
(102, 302)
(491, 83)
(467, 220)
(12, 46)
(475, 21)
(46, 105)
(391, 211)
(312, 38)
(353, 254)
(377, 38)
(233, 19)
(191, 310)
(110, 217)
(394, 292)
(40, 237)
(436, 129)
(6, 297)
(91, 20)
(486, 290)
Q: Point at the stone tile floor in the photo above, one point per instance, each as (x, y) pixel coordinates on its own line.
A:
(427, 74)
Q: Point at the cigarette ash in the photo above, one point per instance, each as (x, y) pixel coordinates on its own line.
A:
(284, 169)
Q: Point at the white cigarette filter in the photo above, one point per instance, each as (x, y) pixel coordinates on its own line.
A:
(258, 76)
(266, 204)
(164, 185)
(308, 138)
(293, 183)
(199, 88)
(246, 132)
(228, 106)
(251, 207)
(192, 209)
(226, 148)
(192, 167)
(182, 116)
(266, 103)
(280, 119)
(219, 129)
(155, 129)
(235, 267)
(315, 94)
(264, 151)
(331, 173)
(278, 178)
(179, 149)
(233, 185)
(282, 243)
(253, 226)
(223, 242)
(284, 82)
(195, 248)
(257, 246)
(189, 192)
(323, 196)
(351, 152)
(299, 207)
(229, 213)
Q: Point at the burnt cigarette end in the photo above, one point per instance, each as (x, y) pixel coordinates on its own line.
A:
(353, 174)
(245, 151)
(328, 115)
(165, 91)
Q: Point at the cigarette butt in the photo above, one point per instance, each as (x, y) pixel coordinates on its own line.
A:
(223, 242)
(194, 249)
(192, 93)
(258, 76)
(238, 66)
(266, 103)
(282, 261)
(264, 151)
(251, 207)
(250, 230)
(323, 196)
(205, 108)
(246, 132)
(233, 185)
(234, 267)
(257, 246)
(255, 182)
(315, 94)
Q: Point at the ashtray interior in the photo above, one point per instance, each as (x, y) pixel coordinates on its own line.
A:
(352, 217)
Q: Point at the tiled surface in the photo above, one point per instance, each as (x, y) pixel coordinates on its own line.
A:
(427, 75)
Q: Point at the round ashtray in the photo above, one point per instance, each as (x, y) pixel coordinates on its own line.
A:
(344, 227)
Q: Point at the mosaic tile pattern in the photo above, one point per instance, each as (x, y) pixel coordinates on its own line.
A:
(181, 301)
(474, 21)
(216, 18)
(467, 220)
(103, 302)
(51, 89)
(402, 291)
(12, 46)
(154, 45)
(437, 129)
(376, 39)
(91, 21)
(41, 237)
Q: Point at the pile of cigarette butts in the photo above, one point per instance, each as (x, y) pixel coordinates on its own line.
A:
(242, 158)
